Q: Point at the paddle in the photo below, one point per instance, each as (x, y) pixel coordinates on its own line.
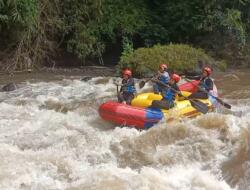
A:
(200, 106)
(142, 83)
(226, 105)
(117, 88)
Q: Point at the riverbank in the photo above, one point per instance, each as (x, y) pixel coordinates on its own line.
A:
(49, 74)
(231, 80)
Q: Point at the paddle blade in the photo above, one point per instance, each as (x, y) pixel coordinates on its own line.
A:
(200, 106)
(142, 84)
(226, 105)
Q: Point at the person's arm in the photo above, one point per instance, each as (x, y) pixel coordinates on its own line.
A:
(129, 82)
(160, 83)
(193, 77)
(163, 77)
(176, 87)
(192, 73)
(122, 85)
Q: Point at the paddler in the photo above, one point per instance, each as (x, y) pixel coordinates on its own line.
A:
(168, 93)
(206, 84)
(127, 90)
(162, 76)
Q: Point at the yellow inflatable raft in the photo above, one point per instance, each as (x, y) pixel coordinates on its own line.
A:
(182, 108)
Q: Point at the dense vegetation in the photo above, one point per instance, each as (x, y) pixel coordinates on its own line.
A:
(33, 31)
(177, 56)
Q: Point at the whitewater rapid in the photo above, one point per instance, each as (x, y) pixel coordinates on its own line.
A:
(51, 137)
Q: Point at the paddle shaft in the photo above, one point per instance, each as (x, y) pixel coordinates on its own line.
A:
(200, 106)
(166, 85)
(218, 99)
(149, 79)
(142, 83)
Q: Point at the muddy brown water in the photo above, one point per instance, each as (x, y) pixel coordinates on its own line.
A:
(232, 82)
(51, 137)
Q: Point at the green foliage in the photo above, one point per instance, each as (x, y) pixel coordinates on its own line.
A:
(154, 34)
(36, 28)
(177, 56)
(128, 50)
(233, 21)
(230, 23)
(122, 18)
(127, 47)
(81, 27)
(16, 17)
(222, 65)
(29, 30)
(91, 25)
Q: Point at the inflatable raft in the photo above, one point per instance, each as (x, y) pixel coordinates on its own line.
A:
(138, 115)
(189, 86)
(126, 115)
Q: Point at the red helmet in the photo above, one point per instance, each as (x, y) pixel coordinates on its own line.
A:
(163, 66)
(176, 78)
(208, 70)
(127, 72)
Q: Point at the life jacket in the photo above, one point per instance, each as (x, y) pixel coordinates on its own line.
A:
(129, 86)
(170, 94)
(164, 77)
(204, 84)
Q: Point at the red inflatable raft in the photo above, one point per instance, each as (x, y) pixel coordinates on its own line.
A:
(123, 114)
(189, 86)
(142, 118)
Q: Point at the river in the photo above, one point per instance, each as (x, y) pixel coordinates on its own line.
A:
(51, 137)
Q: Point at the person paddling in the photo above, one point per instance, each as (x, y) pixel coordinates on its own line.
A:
(127, 90)
(162, 76)
(168, 94)
(206, 84)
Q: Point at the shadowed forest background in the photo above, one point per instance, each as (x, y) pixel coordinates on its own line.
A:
(76, 32)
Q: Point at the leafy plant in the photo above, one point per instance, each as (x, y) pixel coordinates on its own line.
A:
(178, 57)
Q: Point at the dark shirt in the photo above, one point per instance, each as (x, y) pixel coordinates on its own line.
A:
(128, 85)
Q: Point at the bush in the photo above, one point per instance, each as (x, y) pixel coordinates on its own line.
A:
(178, 57)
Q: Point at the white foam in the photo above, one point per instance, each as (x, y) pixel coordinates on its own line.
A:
(42, 148)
